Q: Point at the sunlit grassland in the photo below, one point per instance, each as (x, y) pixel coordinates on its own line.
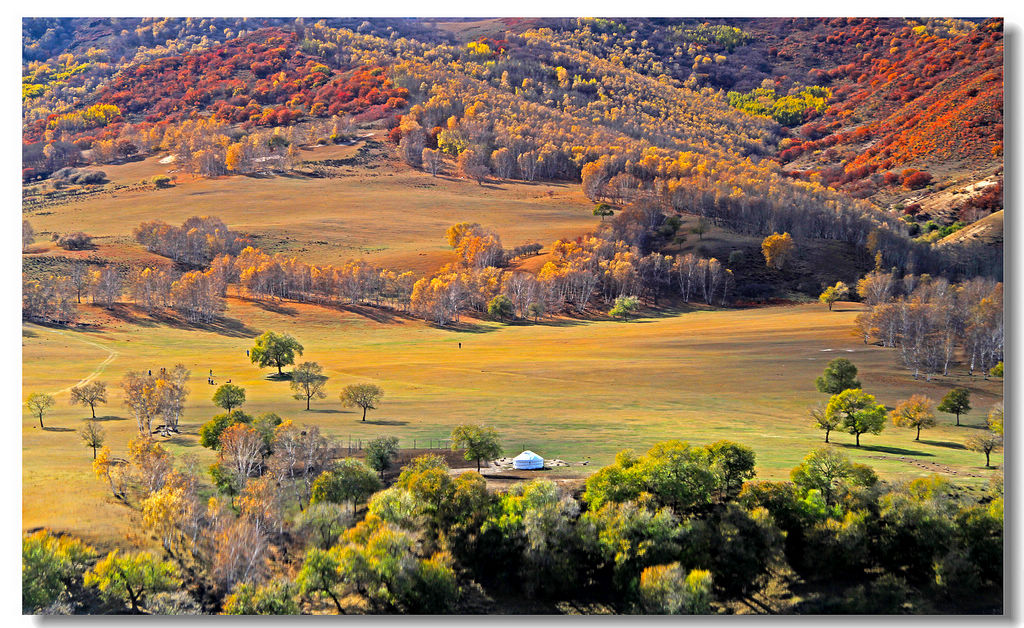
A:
(574, 390)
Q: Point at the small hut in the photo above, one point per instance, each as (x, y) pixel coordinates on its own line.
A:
(527, 460)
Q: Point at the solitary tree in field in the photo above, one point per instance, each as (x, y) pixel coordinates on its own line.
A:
(956, 401)
(859, 411)
(985, 443)
(273, 349)
(365, 396)
(381, 452)
(839, 375)
(825, 421)
(38, 404)
(308, 382)
(777, 249)
(500, 308)
(700, 228)
(93, 436)
(481, 443)
(624, 307)
(603, 210)
(90, 395)
(915, 412)
(833, 294)
(229, 396)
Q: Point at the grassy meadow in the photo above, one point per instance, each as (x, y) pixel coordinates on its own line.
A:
(575, 390)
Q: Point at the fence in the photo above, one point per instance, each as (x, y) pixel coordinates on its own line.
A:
(436, 444)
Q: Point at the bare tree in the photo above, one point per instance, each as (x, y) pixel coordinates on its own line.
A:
(90, 395)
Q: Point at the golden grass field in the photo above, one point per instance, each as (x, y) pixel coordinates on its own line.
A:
(576, 390)
(389, 215)
(579, 390)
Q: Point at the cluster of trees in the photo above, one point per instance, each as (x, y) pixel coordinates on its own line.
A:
(852, 410)
(928, 319)
(50, 299)
(678, 529)
(195, 243)
(279, 276)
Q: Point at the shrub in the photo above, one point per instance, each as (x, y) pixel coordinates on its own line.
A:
(916, 179)
(76, 241)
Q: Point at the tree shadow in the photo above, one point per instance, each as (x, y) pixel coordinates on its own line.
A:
(377, 314)
(180, 441)
(943, 443)
(58, 429)
(384, 422)
(275, 308)
(886, 449)
(104, 419)
(467, 328)
(28, 333)
(221, 325)
(324, 411)
(553, 322)
(971, 426)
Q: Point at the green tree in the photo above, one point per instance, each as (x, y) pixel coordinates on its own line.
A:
(957, 401)
(132, 578)
(834, 293)
(350, 482)
(624, 307)
(700, 228)
(481, 443)
(308, 382)
(603, 210)
(322, 523)
(381, 452)
(840, 374)
(38, 404)
(93, 436)
(49, 566)
(365, 396)
(271, 598)
(915, 412)
(209, 432)
(997, 370)
(824, 470)
(500, 308)
(90, 394)
(321, 575)
(273, 349)
(861, 414)
(229, 396)
(536, 310)
(732, 464)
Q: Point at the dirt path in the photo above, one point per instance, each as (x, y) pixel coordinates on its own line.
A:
(929, 466)
(111, 356)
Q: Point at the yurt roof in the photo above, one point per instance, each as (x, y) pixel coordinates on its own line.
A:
(528, 455)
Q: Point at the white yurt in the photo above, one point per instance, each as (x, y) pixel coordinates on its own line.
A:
(527, 460)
